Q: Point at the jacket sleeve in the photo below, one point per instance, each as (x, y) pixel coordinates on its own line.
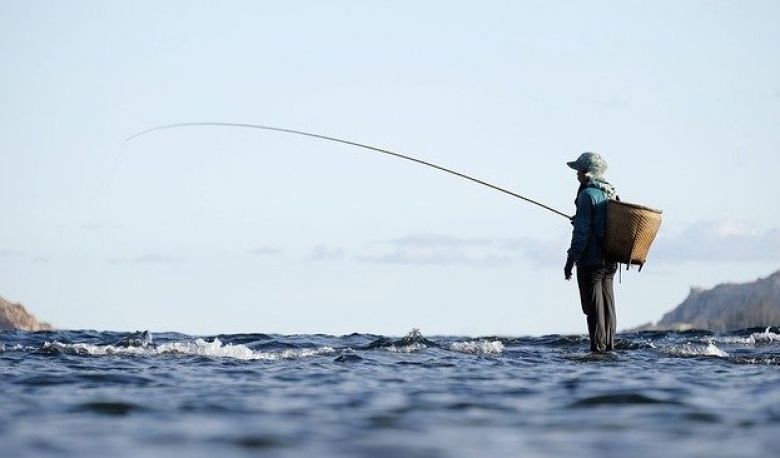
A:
(582, 222)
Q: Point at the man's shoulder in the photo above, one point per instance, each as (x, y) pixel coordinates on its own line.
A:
(593, 194)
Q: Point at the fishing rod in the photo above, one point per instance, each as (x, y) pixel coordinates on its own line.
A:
(347, 142)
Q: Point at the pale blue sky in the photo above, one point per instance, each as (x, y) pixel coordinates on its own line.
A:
(219, 230)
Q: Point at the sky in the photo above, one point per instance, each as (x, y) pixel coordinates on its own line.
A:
(219, 230)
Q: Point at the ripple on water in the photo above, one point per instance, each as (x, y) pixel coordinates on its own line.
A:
(107, 378)
(620, 399)
(110, 408)
(47, 380)
(256, 442)
(348, 358)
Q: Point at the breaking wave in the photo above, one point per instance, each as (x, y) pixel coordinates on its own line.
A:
(198, 347)
(480, 347)
(412, 342)
(756, 338)
(692, 350)
(749, 346)
(410, 348)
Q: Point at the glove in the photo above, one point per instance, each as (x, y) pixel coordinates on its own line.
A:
(568, 268)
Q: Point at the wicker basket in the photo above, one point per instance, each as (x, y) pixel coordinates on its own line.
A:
(630, 231)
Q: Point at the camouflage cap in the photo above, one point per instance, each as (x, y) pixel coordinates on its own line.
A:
(589, 162)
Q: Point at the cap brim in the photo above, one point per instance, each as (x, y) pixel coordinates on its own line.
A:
(573, 164)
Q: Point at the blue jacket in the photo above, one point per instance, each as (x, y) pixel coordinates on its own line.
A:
(587, 238)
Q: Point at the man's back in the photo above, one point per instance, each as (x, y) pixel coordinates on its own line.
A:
(589, 224)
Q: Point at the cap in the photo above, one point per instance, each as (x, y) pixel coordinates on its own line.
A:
(589, 162)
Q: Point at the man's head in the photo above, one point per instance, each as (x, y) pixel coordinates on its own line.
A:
(588, 165)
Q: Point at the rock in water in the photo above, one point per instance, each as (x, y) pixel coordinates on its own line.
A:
(14, 316)
(728, 307)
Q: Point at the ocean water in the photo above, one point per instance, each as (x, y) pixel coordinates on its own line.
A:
(89, 393)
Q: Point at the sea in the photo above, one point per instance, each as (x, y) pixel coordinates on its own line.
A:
(147, 394)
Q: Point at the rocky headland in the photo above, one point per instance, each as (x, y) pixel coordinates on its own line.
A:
(15, 316)
(726, 307)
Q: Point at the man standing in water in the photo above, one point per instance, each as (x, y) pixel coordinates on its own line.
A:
(594, 273)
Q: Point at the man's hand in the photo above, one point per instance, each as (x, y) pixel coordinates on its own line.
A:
(567, 269)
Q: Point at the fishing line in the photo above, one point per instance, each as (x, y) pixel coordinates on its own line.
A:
(348, 142)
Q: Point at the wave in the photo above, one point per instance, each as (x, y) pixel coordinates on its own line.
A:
(135, 339)
(348, 357)
(619, 399)
(756, 338)
(142, 343)
(634, 344)
(198, 347)
(691, 350)
(411, 348)
(765, 360)
(412, 342)
(553, 340)
(482, 347)
(273, 347)
(16, 347)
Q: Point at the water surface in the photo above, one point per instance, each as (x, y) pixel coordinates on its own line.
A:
(89, 393)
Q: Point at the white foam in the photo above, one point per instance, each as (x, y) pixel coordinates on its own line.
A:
(411, 348)
(297, 353)
(198, 347)
(201, 347)
(765, 360)
(697, 350)
(413, 336)
(480, 347)
(753, 339)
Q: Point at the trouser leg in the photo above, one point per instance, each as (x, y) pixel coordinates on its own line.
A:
(590, 283)
(610, 319)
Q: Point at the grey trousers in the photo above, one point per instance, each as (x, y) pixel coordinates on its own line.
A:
(598, 303)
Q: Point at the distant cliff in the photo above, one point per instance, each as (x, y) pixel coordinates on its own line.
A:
(14, 316)
(727, 307)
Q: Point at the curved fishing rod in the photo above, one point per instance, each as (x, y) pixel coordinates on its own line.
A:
(347, 142)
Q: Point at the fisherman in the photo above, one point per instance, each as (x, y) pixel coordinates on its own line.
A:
(594, 273)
